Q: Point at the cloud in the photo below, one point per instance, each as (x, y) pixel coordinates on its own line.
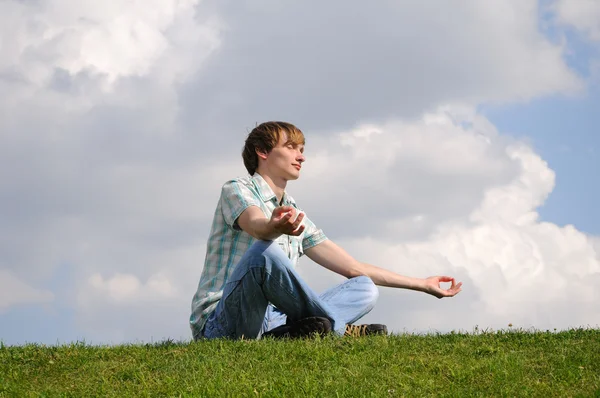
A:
(13, 292)
(112, 306)
(346, 64)
(407, 176)
(120, 123)
(126, 287)
(516, 268)
(111, 40)
(583, 15)
(71, 156)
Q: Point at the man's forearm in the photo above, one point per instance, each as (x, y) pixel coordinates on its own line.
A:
(253, 221)
(383, 277)
(261, 229)
(336, 259)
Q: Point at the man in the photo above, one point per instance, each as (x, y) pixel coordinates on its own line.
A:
(249, 287)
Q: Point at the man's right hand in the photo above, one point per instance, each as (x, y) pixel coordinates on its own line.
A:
(284, 221)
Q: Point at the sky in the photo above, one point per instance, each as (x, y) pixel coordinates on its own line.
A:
(441, 139)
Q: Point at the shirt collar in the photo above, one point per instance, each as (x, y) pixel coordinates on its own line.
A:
(265, 191)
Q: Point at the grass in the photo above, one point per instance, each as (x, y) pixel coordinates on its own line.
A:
(503, 363)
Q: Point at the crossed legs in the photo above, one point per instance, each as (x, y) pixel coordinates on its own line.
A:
(264, 290)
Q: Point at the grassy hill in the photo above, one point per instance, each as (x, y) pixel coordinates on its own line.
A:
(504, 363)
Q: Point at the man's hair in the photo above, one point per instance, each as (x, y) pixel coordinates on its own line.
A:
(264, 138)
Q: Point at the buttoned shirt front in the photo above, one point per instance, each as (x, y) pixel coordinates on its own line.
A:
(227, 242)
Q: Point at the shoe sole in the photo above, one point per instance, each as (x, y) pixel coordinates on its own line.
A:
(305, 327)
(370, 330)
(378, 329)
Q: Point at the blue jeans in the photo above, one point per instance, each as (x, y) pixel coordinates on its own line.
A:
(264, 290)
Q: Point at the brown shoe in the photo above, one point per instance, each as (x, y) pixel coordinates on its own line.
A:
(365, 330)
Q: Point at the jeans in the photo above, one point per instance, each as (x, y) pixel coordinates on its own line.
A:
(264, 290)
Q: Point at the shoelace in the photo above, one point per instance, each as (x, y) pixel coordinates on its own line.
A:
(356, 330)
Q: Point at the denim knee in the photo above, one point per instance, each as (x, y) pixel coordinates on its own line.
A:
(261, 255)
(275, 256)
(368, 289)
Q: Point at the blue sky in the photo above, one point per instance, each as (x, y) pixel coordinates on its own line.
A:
(119, 126)
(565, 132)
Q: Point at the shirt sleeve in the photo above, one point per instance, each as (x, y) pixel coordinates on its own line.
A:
(312, 235)
(235, 198)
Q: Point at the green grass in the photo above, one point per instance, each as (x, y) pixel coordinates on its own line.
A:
(504, 363)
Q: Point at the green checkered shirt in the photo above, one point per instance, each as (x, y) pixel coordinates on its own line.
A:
(227, 242)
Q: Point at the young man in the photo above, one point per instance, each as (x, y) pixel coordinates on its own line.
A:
(249, 287)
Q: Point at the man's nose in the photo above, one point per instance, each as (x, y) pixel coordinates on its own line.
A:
(300, 158)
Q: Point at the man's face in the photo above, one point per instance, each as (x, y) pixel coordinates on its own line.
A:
(285, 160)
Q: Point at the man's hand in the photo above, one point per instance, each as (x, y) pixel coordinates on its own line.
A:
(284, 221)
(432, 286)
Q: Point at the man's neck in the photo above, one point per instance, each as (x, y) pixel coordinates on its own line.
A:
(277, 185)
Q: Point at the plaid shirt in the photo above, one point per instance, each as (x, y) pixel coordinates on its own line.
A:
(227, 242)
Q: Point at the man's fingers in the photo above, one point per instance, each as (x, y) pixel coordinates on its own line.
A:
(438, 291)
(298, 231)
(281, 210)
(447, 279)
(297, 226)
(454, 290)
(285, 216)
(298, 220)
(291, 218)
(290, 222)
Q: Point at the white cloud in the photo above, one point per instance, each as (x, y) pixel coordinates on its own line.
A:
(112, 39)
(516, 268)
(121, 120)
(408, 176)
(128, 287)
(73, 153)
(13, 291)
(390, 60)
(125, 307)
(583, 15)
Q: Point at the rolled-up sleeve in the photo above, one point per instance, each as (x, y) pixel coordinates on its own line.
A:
(235, 198)
(312, 235)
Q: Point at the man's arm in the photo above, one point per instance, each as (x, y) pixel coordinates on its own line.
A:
(253, 221)
(336, 259)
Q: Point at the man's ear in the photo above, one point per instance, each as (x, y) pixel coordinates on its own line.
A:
(261, 154)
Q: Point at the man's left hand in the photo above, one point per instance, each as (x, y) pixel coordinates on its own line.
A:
(432, 286)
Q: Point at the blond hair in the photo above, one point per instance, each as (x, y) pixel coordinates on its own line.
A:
(265, 137)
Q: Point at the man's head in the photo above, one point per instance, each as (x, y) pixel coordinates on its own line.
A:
(286, 139)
